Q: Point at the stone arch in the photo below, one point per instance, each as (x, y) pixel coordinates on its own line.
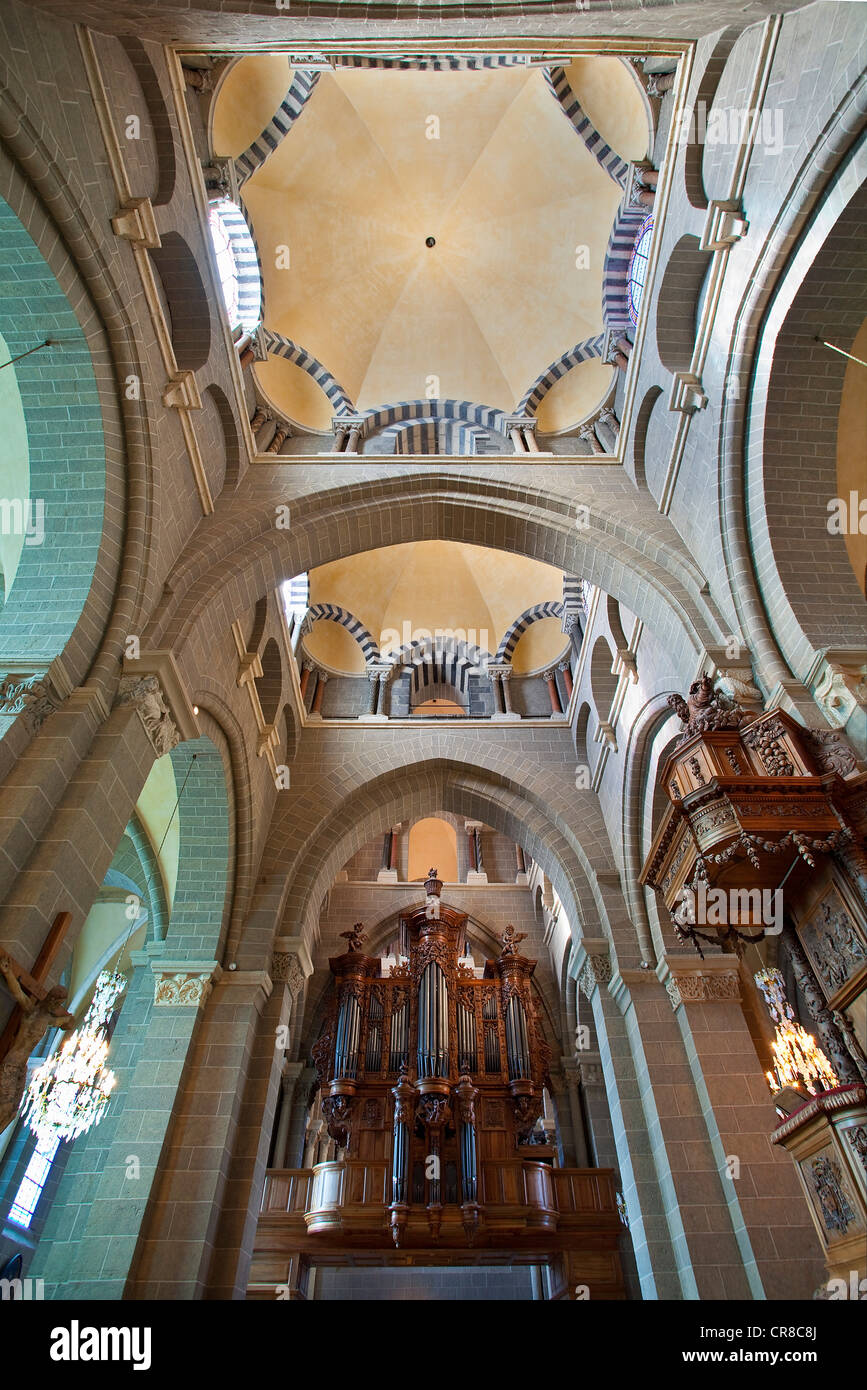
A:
(582, 724)
(441, 662)
(313, 837)
(159, 117)
(581, 352)
(627, 548)
(603, 683)
(333, 613)
(616, 167)
(639, 437)
(799, 436)
(298, 94)
(551, 608)
(615, 271)
(270, 683)
(614, 623)
(203, 894)
(291, 732)
(186, 300)
(704, 100)
(63, 509)
(230, 440)
(677, 302)
(257, 629)
(279, 346)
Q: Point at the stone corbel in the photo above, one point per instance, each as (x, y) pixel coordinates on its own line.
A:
(145, 694)
(625, 665)
(724, 225)
(135, 222)
(291, 963)
(35, 694)
(593, 965)
(842, 685)
(687, 394)
(182, 392)
(606, 735)
(160, 663)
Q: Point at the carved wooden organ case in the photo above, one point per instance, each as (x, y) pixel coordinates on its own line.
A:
(431, 1067)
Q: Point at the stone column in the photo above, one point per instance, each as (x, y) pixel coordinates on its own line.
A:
(352, 441)
(390, 848)
(476, 873)
(288, 1082)
(281, 434)
(306, 668)
(259, 417)
(520, 866)
(553, 692)
(95, 1226)
(589, 437)
(567, 677)
(779, 1247)
(373, 677)
(321, 682)
(384, 677)
(571, 1077)
(499, 703)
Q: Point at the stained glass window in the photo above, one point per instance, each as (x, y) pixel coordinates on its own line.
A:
(238, 265)
(638, 267)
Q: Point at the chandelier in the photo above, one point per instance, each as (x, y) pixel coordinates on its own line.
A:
(798, 1060)
(69, 1092)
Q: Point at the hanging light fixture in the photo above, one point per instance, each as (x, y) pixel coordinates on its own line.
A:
(68, 1094)
(798, 1060)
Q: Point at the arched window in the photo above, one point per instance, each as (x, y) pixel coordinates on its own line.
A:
(638, 267)
(238, 265)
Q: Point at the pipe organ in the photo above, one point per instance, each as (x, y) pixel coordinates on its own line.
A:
(431, 1081)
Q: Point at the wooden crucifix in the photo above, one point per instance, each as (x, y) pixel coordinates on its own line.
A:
(36, 1010)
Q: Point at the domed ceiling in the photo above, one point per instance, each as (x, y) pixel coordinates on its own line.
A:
(484, 163)
(402, 590)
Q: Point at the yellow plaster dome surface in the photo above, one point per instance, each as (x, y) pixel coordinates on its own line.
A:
(378, 162)
(400, 591)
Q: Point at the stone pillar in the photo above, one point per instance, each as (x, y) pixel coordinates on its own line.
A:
(260, 416)
(779, 1248)
(567, 677)
(306, 668)
(476, 872)
(373, 677)
(97, 1220)
(288, 1082)
(352, 441)
(517, 437)
(281, 434)
(553, 692)
(499, 703)
(390, 849)
(589, 437)
(578, 1147)
(520, 867)
(384, 678)
(321, 682)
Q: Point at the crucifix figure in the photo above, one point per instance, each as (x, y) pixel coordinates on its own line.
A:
(37, 1015)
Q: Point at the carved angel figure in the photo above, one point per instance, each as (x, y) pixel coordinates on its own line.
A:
(355, 937)
(37, 1016)
(511, 940)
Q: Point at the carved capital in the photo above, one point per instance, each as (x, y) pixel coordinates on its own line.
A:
(183, 986)
(287, 969)
(701, 982)
(31, 695)
(145, 693)
(596, 970)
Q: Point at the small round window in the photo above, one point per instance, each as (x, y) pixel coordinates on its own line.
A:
(638, 267)
(237, 264)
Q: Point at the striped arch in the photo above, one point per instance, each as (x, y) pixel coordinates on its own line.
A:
(423, 437)
(615, 271)
(447, 63)
(581, 352)
(409, 412)
(333, 613)
(614, 166)
(290, 108)
(552, 608)
(441, 660)
(279, 346)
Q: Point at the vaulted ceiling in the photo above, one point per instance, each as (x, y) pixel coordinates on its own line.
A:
(484, 162)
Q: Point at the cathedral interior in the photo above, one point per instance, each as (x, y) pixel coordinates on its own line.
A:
(433, 754)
